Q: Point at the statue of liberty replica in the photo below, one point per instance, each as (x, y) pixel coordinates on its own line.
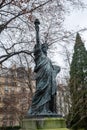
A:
(44, 99)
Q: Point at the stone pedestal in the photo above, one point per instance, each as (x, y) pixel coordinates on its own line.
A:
(44, 124)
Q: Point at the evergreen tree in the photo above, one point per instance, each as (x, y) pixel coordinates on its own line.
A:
(78, 85)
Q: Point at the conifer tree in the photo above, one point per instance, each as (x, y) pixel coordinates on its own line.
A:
(78, 85)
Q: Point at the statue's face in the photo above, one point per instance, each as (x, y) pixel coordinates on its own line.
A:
(44, 49)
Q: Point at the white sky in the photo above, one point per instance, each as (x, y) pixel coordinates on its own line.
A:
(75, 21)
(78, 20)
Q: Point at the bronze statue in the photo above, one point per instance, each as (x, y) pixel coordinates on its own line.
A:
(44, 99)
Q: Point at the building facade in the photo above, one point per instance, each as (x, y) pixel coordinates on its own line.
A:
(16, 89)
(63, 100)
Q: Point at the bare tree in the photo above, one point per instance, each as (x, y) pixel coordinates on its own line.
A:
(17, 29)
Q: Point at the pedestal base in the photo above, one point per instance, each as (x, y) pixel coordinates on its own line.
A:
(44, 124)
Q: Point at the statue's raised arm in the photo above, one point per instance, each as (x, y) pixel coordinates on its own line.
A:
(37, 31)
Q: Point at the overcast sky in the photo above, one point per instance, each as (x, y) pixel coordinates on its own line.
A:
(77, 20)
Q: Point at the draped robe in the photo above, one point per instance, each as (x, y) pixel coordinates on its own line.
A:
(43, 101)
